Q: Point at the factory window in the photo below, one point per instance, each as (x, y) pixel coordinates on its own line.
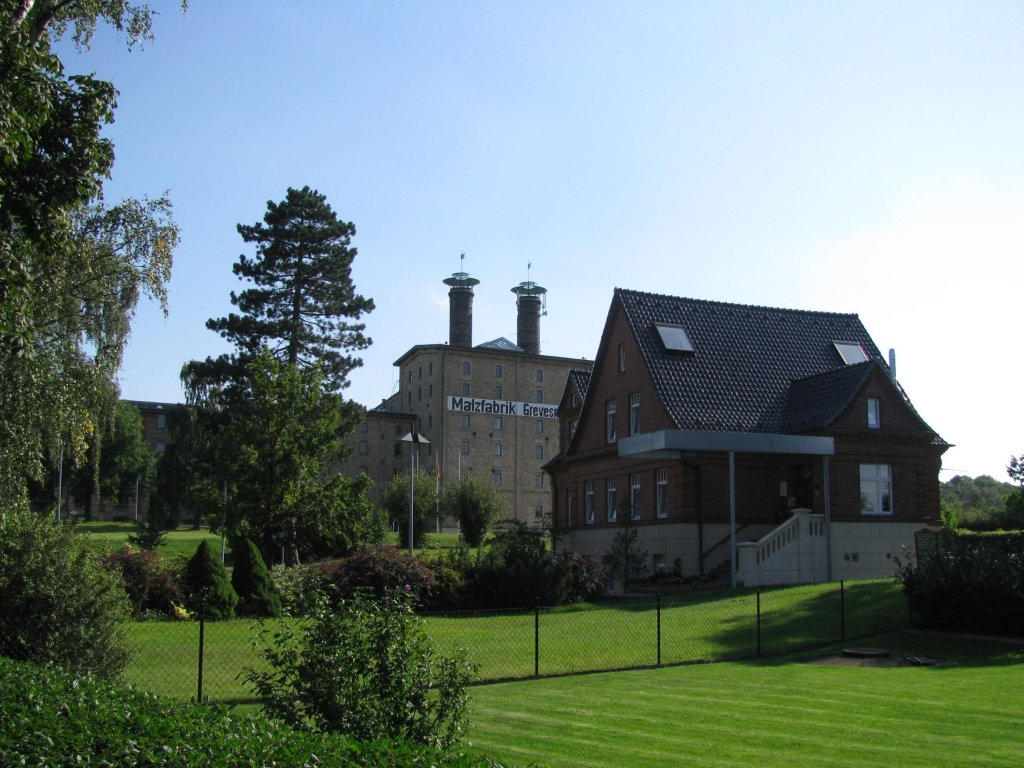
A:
(539, 375)
(497, 478)
(497, 371)
(538, 426)
(465, 389)
(538, 451)
(497, 449)
(464, 447)
(539, 395)
(465, 368)
(364, 447)
(465, 421)
(497, 391)
(498, 422)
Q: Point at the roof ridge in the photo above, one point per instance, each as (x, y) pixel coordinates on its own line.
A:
(733, 305)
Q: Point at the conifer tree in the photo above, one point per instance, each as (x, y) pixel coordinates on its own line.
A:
(207, 582)
(257, 593)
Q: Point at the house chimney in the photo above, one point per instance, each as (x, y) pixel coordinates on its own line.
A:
(892, 363)
(528, 303)
(460, 309)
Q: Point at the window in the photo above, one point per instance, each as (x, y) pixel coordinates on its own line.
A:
(634, 413)
(398, 430)
(634, 496)
(538, 481)
(465, 368)
(588, 500)
(161, 421)
(622, 358)
(497, 391)
(363, 447)
(363, 427)
(610, 421)
(658, 564)
(572, 428)
(875, 489)
(539, 395)
(570, 506)
(874, 413)
(674, 338)
(850, 351)
(430, 369)
(420, 374)
(497, 449)
(465, 389)
(464, 447)
(498, 423)
(410, 375)
(159, 447)
(419, 393)
(398, 449)
(498, 372)
(538, 511)
(538, 375)
(430, 390)
(661, 495)
(497, 478)
(538, 451)
(538, 425)
(410, 397)
(465, 420)
(610, 510)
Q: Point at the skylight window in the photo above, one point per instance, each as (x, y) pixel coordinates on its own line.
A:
(674, 338)
(851, 352)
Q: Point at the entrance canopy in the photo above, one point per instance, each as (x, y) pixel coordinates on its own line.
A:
(675, 443)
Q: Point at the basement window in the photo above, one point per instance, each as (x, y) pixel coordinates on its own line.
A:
(851, 352)
(674, 338)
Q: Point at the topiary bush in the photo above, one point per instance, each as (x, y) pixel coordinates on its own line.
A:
(367, 669)
(49, 716)
(150, 587)
(209, 589)
(381, 569)
(257, 593)
(58, 604)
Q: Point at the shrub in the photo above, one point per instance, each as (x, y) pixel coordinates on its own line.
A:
(584, 577)
(150, 587)
(58, 603)
(967, 582)
(450, 569)
(475, 503)
(257, 593)
(51, 717)
(299, 586)
(382, 569)
(366, 669)
(210, 591)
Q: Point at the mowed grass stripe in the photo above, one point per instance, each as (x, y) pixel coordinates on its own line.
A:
(746, 714)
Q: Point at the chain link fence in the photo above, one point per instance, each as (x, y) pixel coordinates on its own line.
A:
(206, 660)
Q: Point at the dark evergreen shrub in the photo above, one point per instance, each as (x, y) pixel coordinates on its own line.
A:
(257, 593)
(210, 591)
(58, 604)
(150, 587)
(382, 569)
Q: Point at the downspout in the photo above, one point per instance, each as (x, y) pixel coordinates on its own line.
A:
(828, 519)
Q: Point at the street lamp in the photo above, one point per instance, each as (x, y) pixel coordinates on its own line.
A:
(416, 440)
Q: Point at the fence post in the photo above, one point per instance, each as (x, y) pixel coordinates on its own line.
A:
(659, 628)
(536, 640)
(759, 622)
(842, 611)
(202, 629)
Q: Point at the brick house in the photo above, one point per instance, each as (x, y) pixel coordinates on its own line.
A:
(761, 445)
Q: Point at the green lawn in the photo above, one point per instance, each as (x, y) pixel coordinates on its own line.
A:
(769, 713)
(610, 635)
(179, 543)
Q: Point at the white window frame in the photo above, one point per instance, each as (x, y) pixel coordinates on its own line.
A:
(622, 358)
(609, 427)
(874, 413)
(498, 423)
(497, 449)
(661, 493)
(588, 500)
(465, 421)
(876, 489)
(570, 504)
(634, 413)
(611, 500)
(634, 495)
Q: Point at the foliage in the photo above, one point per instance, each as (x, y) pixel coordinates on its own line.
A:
(450, 569)
(51, 717)
(517, 570)
(150, 587)
(302, 301)
(394, 500)
(209, 589)
(257, 593)
(625, 560)
(976, 504)
(475, 503)
(381, 569)
(71, 269)
(59, 604)
(967, 582)
(300, 587)
(366, 669)
(584, 577)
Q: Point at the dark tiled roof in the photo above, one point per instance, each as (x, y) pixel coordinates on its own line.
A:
(745, 358)
(817, 401)
(580, 381)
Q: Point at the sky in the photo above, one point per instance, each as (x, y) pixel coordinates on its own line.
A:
(861, 157)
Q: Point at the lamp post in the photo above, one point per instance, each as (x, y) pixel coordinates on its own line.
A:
(416, 440)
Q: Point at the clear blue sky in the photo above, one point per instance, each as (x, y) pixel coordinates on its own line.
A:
(859, 157)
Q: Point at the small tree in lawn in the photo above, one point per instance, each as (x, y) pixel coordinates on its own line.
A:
(624, 558)
(257, 593)
(395, 502)
(475, 503)
(207, 582)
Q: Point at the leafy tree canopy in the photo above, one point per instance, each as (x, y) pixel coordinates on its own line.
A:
(475, 503)
(395, 502)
